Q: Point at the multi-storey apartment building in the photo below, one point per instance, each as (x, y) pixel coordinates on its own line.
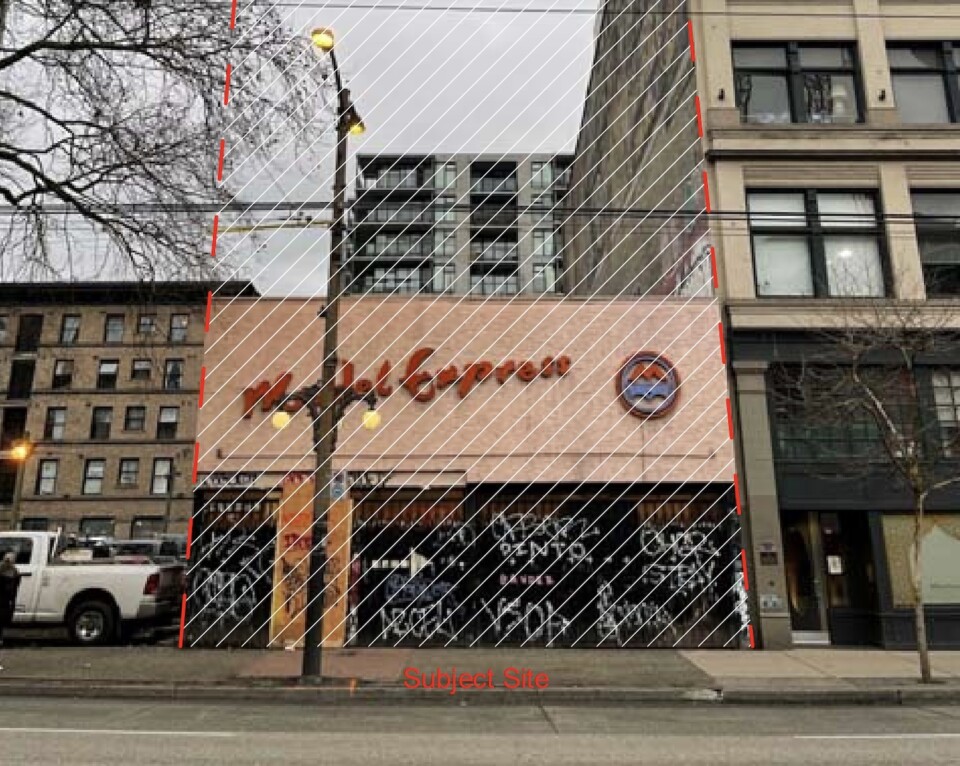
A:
(831, 138)
(457, 224)
(103, 380)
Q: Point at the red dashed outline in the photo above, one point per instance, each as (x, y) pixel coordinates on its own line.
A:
(226, 85)
(223, 146)
(723, 345)
(696, 103)
(693, 47)
(216, 229)
(203, 380)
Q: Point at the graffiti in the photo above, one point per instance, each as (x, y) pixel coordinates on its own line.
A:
(586, 574)
(231, 587)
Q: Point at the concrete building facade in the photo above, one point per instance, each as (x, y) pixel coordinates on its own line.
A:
(831, 137)
(458, 224)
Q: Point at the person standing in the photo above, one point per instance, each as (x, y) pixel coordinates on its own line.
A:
(9, 585)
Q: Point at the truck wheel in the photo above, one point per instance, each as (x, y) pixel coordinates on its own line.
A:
(91, 623)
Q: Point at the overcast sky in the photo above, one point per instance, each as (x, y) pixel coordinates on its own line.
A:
(431, 81)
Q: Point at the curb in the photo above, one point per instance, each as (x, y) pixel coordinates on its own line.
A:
(556, 697)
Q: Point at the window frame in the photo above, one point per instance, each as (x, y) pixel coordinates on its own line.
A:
(143, 420)
(793, 72)
(49, 424)
(87, 465)
(99, 520)
(157, 461)
(150, 320)
(38, 486)
(815, 235)
(63, 329)
(124, 462)
(133, 369)
(167, 363)
(161, 434)
(69, 377)
(116, 374)
(104, 424)
(106, 328)
(185, 329)
(934, 226)
(947, 68)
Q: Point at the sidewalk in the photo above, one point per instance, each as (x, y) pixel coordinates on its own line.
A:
(812, 676)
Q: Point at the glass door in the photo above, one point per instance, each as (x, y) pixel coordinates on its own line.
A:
(804, 565)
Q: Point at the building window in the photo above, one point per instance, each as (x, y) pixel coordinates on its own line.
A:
(445, 243)
(35, 524)
(146, 527)
(545, 276)
(400, 279)
(824, 244)
(173, 375)
(938, 234)
(141, 369)
(107, 374)
(946, 395)
(100, 423)
(70, 329)
(93, 471)
(543, 244)
(161, 481)
(925, 82)
(178, 327)
(47, 477)
(541, 176)
(493, 283)
(96, 526)
(62, 373)
(444, 277)
(146, 324)
(55, 424)
(446, 175)
(129, 475)
(796, 83)
(167, 422)
(135, 418)
(113, 329)
(446, 208)
(4, 323)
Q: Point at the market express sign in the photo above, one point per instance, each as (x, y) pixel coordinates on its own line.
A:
(418, 381)
(647, 384)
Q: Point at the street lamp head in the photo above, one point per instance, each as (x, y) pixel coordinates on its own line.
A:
(371, 419)
(356, 128)
(323, 38)
(280, 419)
(20, 451)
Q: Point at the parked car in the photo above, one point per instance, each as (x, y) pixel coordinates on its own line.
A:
(97, 599)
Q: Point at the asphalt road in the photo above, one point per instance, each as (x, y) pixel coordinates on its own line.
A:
(48, 731)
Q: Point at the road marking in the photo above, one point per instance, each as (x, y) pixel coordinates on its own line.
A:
(877, 736)
(122, 732)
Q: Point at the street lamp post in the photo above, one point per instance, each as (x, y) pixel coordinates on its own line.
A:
(325, 421)
(19, 452)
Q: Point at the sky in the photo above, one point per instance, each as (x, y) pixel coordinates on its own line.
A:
(425, 81)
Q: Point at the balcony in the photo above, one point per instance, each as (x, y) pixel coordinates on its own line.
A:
(403, 214)
(494, 185)
(395, 179)
(493, 252)
(395, 251)
(493, 216)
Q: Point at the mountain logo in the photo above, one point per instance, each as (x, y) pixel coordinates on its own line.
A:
(648, 385)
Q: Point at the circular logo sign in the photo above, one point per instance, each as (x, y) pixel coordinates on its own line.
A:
(648, 385)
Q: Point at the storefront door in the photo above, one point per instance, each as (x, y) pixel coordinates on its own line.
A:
(831, 578)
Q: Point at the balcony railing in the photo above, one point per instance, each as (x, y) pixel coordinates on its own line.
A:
(404, 214)
(494, 252)
(494, 217)
(494, 185)
(408, 179)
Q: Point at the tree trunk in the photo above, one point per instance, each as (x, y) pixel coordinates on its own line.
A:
(918, 610)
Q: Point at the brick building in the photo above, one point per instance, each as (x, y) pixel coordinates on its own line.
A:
(103, 379)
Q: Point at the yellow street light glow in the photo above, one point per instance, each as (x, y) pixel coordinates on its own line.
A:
(357, 128)
(20, 451)
(323, 38)
(371, 419)
(280, 420)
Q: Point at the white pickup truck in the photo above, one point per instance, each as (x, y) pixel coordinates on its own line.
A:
(96, 600)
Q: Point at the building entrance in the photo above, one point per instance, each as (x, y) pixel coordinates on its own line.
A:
(831, 578)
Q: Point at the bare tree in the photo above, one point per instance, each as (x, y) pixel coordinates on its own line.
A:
(111, 116)
(882, 373)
